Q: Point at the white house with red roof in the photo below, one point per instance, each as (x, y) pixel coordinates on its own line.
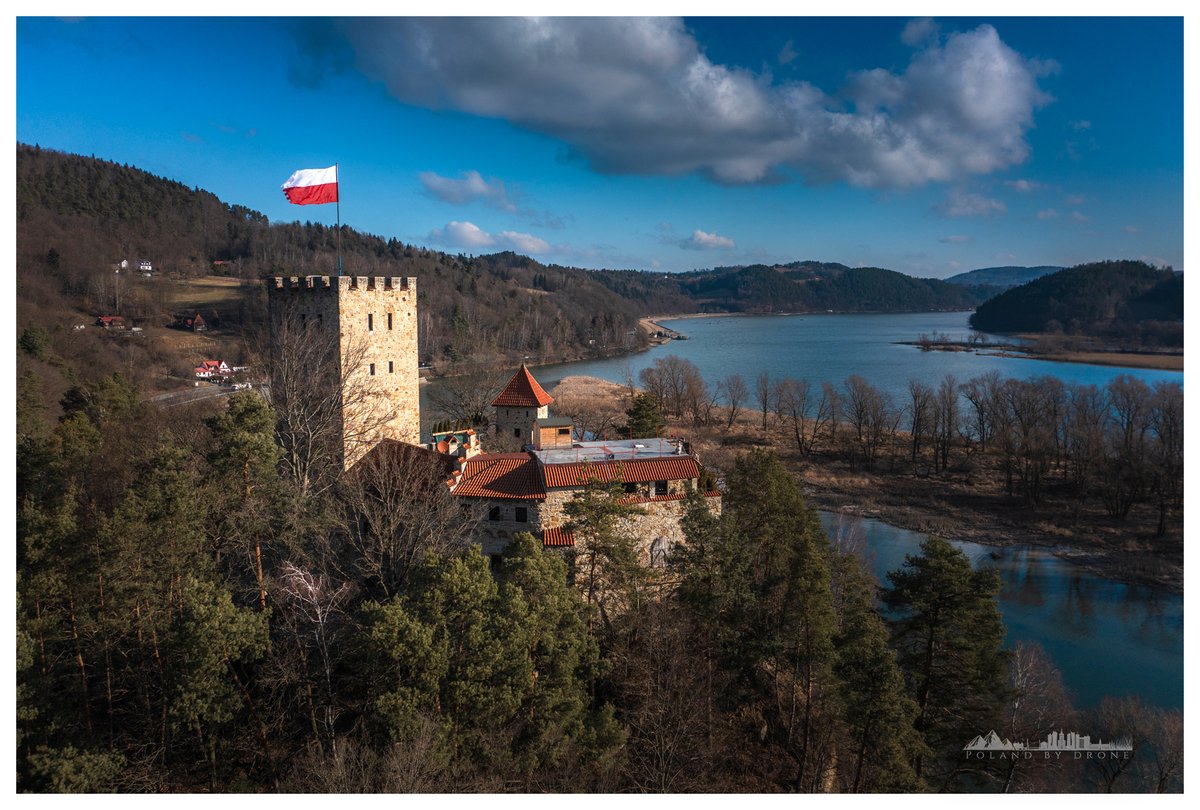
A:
(209, 369)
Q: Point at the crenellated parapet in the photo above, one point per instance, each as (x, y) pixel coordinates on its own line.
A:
(338, 283)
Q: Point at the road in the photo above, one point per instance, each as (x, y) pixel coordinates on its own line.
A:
(186, 396)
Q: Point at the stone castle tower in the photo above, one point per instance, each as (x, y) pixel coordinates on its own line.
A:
(372, 323)
(519, 405)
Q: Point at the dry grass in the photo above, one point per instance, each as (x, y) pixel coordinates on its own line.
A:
(1162, 362)
(206, 292)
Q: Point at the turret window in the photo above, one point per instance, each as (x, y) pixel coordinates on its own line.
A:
(389, 321)
(370, 322)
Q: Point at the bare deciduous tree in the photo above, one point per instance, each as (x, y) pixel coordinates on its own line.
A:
(318, 609)
(327, 408)
(735, 392)
(398, 508)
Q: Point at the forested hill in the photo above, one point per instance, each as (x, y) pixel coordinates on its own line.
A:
(1126, 301)
(818, 287)
(76, 216)
(1002, 277)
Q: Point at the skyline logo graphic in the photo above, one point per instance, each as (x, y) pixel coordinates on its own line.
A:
(1055, 744)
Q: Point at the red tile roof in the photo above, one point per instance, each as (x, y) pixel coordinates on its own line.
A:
(500, 475)
(635, 471)
(557, 536)
(391, 460)
(522, 391)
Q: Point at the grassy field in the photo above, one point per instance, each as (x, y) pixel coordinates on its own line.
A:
(208, 293)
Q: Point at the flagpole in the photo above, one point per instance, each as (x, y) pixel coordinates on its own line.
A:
(336, 174)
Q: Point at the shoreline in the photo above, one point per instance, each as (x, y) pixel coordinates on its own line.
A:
(1111, 566)
(1151, 361)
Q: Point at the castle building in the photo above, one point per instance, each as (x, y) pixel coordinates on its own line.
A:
(371, 384)
(517, 407)
(528, 491)
(372, 323)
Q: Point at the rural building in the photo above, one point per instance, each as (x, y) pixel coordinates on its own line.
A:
(211, 368)
(111, 322)
(192, 323)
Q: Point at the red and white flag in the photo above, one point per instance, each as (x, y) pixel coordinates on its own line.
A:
(312, 186)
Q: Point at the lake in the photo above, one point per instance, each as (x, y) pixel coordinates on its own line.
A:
(831, 347)
(1106, 637)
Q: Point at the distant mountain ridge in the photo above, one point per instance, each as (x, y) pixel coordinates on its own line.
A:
(1008, 276)
(811, 286)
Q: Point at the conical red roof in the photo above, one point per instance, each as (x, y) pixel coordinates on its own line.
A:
(522, 391)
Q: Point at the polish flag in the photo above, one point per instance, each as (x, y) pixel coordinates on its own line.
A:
(312, 186)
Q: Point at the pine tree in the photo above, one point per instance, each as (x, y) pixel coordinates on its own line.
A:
(607, 567)
(645, 418)
(948, 632)
(503, 667)
(877, 713)
(761, 580)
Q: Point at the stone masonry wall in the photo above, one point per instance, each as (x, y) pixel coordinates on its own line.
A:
(378, 317)
(373, 322)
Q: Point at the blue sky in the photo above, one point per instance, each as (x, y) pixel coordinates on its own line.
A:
(928, 146)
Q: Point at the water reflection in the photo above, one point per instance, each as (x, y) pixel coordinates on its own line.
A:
(1106, 637)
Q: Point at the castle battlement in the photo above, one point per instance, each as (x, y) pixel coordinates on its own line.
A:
(355, 283)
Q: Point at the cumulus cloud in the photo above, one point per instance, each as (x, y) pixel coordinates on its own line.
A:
(702, 240)
(1079, 216)
(1075, 199)
(919, 31)
(639, 95)
(469, 187)
(966, 204)
(954, 240)
(471, 236)
(1047, 213)
(1129, 229)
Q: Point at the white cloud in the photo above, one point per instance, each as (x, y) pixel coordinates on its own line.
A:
(1047, 213)
(702, 240)
(638, 95)
(919, 31)
(1129, 229)
(469, 187)
(524, 242)
(966, 204)
(1079, 216)
(1075, 199)
(954, 240)
(1024, 186)
(471, 236)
